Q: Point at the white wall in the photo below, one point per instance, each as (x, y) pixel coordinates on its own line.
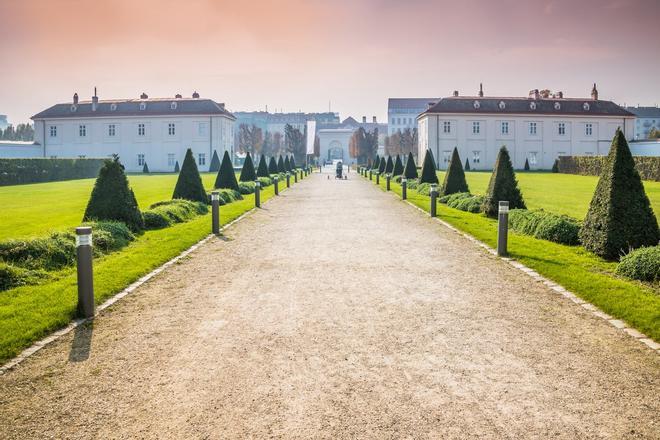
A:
(9, 149)
(335, 138)
(540, 149)
(645, 148)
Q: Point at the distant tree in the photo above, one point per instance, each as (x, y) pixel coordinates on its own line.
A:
(189, 184)
(215, 163)
(113, 199)
(280, 165)
(294, 141)
(145, 168)
(502, 186)
(526, 167)
(376, 163)
(428, 169)
(545, 93)
(292, 162)
(654, 133)
(278, 144)
(268, 145)
(410, 172)
(398, 166)
(467, 164)
(287, 163)
(555, 166)
(389, 165)
(226, 177)
(176, 167)
(272, 166)
(262, 170)
(455, 176)
(247, 173)
(250, 138)
(382, 165)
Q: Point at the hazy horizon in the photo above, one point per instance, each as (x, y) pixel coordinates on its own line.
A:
(301, 55)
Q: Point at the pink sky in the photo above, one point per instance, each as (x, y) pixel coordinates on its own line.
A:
(300, 54)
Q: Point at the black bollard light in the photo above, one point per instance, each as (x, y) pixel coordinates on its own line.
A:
(215, 212)
(434, 198)
(370, 175)
(257, 194)
(277, 186)
(388, 177)
(295, 176)
(404, 188)
(85, 306)
(288, 179)
(502, 228)
(377, 178)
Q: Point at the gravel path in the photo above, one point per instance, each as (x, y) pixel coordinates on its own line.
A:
(338, 312)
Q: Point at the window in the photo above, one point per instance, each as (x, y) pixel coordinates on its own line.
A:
(113, 107)
(173, 106)
(588, 129)
(170, 160)
(476, 156)
(476, 127)
(141, 130)
(140, 160)
(561, 129)
(532, 158)
(111, 130)
(446, 127)
(201, 159)
(398, 121)
(446, 156)
(201, 129)
(143, 106)
(82, 130)
(171, 130)
(532, 128)
(393, 121)
(505, 128)
(53, 131)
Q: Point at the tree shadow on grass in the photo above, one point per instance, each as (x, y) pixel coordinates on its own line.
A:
(82, 342)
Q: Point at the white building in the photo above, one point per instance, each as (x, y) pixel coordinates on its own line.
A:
(155, 131)
(402, 112)
(534, 128)
(648, 118)
(334, 143)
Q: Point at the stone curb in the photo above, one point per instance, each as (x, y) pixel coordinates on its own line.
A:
(595, 311)
(110, 301)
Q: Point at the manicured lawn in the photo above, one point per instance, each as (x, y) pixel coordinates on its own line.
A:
(560, 193)
(579, 271)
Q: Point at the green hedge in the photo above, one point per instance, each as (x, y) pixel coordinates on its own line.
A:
(641, 264)
(463, 201)
(163, 214)
(21, 171)
(545, 225)
(648, 167)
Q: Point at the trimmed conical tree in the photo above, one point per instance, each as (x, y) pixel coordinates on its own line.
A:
(272, 166)
(502, 186)
(526, 167)
(376, 163)
(467, 164)
(428, 169)
(113, 199)
(410, 172)
(280, 165)
(145, 168)
(389, 165)
(177, 168)
(620, 216)
(262, 170)
(382, 165)
(398, 166)
(555, 166)
(292, 162)
(189, 185)
(247, 173)
(215, 163)
(287, 164)
(226, 177)
(455, 176)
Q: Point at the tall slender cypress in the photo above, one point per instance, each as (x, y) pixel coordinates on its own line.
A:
(262, 170)
(389, 165)
(428, 169)
(272, 166)
(398, 166)
(215, 163)
(247, 173)
(226, 177)
(455, 176)
(410, 172)
(502, 186)
(280, 165)
(189, 184)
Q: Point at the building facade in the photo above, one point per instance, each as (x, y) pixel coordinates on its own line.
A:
(334, 139)
(3, 122)
(648, 118)
(535, 129)
(144, 130)
(402, 112)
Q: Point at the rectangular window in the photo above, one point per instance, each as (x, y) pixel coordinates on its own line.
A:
(446, 127)
(53, 131)
(82, 130)
(398, 121)
(111, 130)
(393, 121)
(201, 159)
(532, 158)
(201, 129)
(171, 130)
(476, 127)
(588, 129)
(446, 156)
(476, 156)
(140, 160)
(171, 160)
(561, 129)
(141, 130)
(505, 128)
(532, 128)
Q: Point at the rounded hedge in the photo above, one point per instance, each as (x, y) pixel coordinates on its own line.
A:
(642, 264)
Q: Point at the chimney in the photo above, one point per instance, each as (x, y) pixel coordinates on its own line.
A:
(364, 119)
(195, 95)
(481, 90)
(75, 98)
(178, 96)
(144, 96)
(221, 105)
(560, 95)
(455, 92)
(95, 101)
(429, 105)
(594, 93)
(374, 119)
(537, 94)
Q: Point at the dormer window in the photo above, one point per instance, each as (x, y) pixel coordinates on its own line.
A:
(557, 106)
(143, 106)
(532, 106)
(74, 108)
(501, 105)
(113, 107)
(477, 104)
(585, 106)
(173, 106)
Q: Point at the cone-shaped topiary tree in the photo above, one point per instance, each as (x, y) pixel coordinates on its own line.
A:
(113, 199)
(389, 165)
(226, 177)
(502, 186)
(287, 164)
(620, 215)
(382, 165)
(247, 173)
(272, 166)
(189, 185)
(467, 164)
(410, 172)
(262, 170)
(215, 163)
(280, 165)
(145, 168)
(177, 168)
(455, 176)
(555, 166)
(376, 163)
(398, 166)
(292, 162)
(526, 167)
(428, 169)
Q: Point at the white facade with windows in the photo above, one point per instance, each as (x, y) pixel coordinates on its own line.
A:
(402, 112)
(155, 131)
(534, 129)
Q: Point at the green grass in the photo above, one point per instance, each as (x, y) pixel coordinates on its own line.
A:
(31, 312)
(579, 271)
(560, 193)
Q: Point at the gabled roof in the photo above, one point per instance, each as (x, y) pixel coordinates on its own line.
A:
(131, 107)
(645, 112)
(543, 106)
(413, 103)
(350, 120)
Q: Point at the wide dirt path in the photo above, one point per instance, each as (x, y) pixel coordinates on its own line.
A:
(338, 312)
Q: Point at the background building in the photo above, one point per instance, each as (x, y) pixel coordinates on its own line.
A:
(334, 139)
(275, 122)
(648, 118)
(536, 129)
(156, 131)
(3, 122)
(402, 112)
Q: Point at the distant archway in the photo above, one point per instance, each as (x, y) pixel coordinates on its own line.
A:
(335, 151)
